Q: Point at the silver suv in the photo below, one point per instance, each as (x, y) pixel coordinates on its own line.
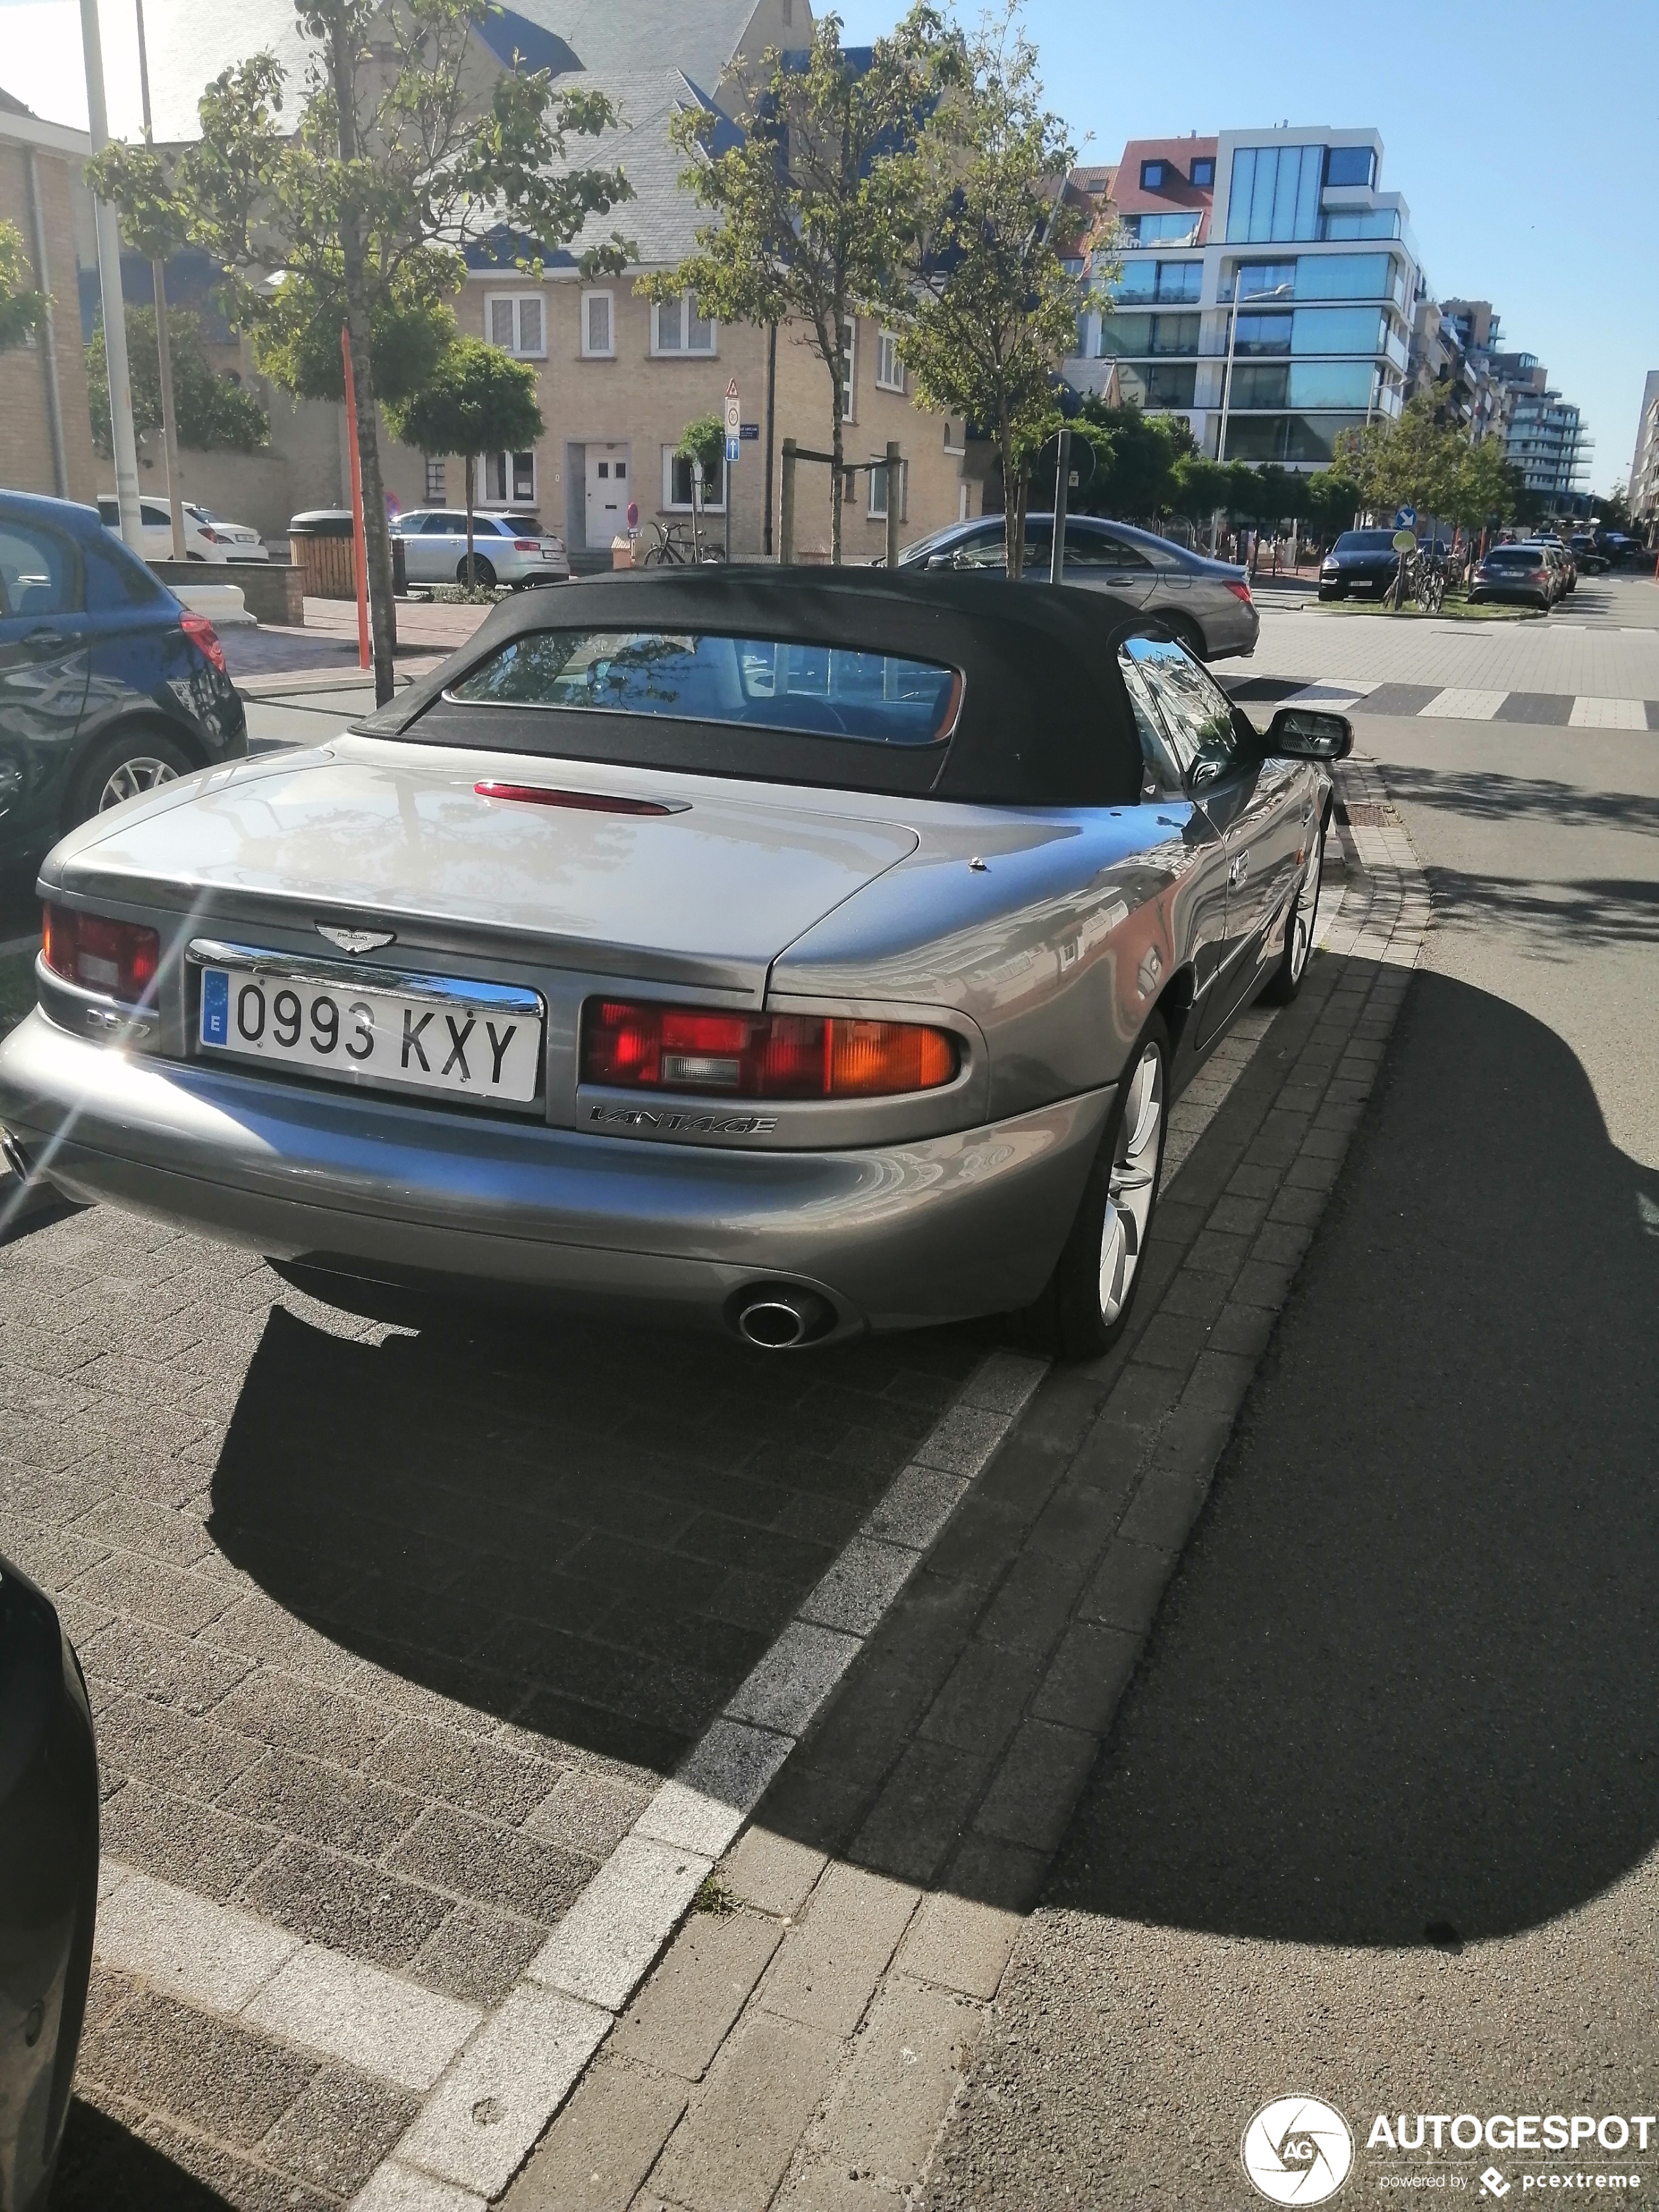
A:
(1205, 604)
(508, 549)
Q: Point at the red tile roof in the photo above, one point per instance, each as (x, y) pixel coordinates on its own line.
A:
(1178, 190)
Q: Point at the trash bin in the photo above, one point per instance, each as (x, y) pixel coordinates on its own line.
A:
(323, 547)
(321, 544)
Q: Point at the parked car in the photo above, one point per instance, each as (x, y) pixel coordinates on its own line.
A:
(1514, 572)
(794, 954)
(1360, 561)
(1561, 561)
(1205, 604)
(508, 549)
(108, 686)
(207, 536)
(48, 1883)
(1591, 561)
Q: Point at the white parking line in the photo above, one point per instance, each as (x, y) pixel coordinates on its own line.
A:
(1464, 705)
(1608, 715)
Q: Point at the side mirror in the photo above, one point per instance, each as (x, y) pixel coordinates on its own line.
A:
(941, 561)
(1303, 734)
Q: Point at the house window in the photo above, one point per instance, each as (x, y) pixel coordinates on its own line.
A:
(848, 389)
(1203, 170)
(506, 479)
(956, 436)
(1152, 176)
(878, 482)
(436, 486)
(1350, 165)
(677, 484)
(599, 325)
(677, 327)
(890, 369)
(515, 322)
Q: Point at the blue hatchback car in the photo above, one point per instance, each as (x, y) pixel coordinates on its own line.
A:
(108, 685)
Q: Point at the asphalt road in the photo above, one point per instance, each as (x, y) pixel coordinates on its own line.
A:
(1378, 1821)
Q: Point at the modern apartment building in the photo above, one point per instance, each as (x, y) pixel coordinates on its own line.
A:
(1267, 291)
(1645, 469)
(1546, 438)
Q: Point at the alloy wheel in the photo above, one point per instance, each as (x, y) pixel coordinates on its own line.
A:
(1132, 1186)
(141, 772)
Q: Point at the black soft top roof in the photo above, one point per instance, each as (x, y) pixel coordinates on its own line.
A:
(1043, 719)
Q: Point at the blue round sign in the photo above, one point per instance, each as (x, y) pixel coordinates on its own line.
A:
(1404, 517)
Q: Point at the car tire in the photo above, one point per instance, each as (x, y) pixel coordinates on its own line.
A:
(131, 760)
(1091, 1296)
(481, 569)
(1188, 633)
(1300, 923)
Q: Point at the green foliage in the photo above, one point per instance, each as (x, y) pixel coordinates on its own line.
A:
(1334, 498)
(21, 310)
(476, 399)
(1136, 457)
(1613, 508)
(813, 219)
(215, 412)
(1431, 466)
(363, 196)
(704, 441)
(991, 309)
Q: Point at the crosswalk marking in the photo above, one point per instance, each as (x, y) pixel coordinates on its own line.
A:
(1608, 715)
(1465, 705)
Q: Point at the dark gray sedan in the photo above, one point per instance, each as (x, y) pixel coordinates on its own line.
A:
(798, 953)
(1205, 604)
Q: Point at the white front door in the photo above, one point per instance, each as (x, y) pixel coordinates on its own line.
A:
(609, 488)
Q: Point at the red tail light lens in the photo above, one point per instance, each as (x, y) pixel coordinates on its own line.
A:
(208, 532)
(1241, 592)
(116, 958)
(658, 1048)
(200, 632)
(527, 546)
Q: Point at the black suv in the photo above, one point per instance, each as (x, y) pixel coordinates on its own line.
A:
(108, 685)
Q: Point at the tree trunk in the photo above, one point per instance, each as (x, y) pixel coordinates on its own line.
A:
(382, 612)
(837, 448)
(1013, 510)
(471, 468)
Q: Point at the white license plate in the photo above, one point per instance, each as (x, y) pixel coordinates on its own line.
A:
(467, 1048)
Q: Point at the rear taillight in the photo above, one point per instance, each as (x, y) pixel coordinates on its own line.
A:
(660, 1047)
(527, 546)
(200, 632)
(1241, 592)
(210, 534)
(117, 958)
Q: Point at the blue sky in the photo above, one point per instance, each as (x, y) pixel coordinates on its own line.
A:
(1524, 134)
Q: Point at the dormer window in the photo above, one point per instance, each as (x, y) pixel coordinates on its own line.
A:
(1154, 175)
(1202, 171)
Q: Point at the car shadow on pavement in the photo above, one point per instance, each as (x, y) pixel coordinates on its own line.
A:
(1489, 795)
(1406, 1684)
(104, 2165)
(591, 1531)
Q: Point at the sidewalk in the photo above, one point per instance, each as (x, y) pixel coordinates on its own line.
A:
(802, 2040)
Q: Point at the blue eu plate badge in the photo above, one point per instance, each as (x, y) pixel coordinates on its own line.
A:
(216, 1007)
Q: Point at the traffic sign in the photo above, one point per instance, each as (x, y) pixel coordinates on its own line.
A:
(1404, 517)
(732, 449)
(733, 413)
(1405, 541)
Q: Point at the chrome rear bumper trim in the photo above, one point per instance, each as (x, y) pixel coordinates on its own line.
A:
(333, 974)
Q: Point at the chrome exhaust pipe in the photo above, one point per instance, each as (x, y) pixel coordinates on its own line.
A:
(778, 1318)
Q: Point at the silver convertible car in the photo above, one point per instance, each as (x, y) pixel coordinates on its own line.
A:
(800, 954)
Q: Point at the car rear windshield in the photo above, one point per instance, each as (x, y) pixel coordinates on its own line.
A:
(1515, 556)
(752, 683)
(1365, 541)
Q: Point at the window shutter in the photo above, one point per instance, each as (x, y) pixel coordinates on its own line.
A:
(529, 324)
(500, 324)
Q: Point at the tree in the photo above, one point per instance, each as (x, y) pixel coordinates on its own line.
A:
(812, 227)
(991, 309)
(1484, 492)
(1136, 457)
(22, 309)
(363, 202)
(477, 399)
(1332, 497)
(216, 412)
(1413, 461)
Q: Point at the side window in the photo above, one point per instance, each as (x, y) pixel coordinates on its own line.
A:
(983, 550)
(1195, 709)
(1163, 770)
(39, 573)
(1098, 549)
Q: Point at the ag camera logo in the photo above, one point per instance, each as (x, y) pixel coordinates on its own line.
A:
(1297, 2151)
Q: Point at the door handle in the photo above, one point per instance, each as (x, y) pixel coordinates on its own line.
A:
(1239, 868)
(42, 638)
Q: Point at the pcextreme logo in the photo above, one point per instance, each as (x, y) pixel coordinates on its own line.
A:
(1297, 2151)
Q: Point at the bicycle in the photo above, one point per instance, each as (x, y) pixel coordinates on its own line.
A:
(676, 548)
(1429, 581)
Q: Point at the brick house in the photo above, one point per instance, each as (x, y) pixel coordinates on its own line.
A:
(46, 435)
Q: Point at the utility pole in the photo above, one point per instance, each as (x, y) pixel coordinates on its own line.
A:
(895, 499)
(109, 284)
(1062, 485)
(163, 344)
